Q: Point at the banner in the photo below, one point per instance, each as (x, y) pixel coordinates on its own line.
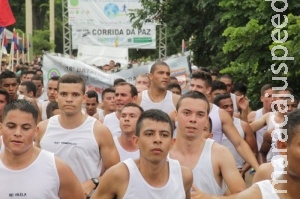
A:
(101, 55)
(54, 65)
(115, 36)
(101, 12)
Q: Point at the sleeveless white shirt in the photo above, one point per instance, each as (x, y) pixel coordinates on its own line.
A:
(165, 105)
(77, 147)
(260, 133)
(267, 190)
(204, 175)
(112, 123)
(239, 161)
(44, 108)
(38, 180)
(138, 188)
(20, 96)
(233, 98)
(216, 124)
(124, 155)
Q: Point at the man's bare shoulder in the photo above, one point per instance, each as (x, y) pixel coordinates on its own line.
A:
(139, 98)
(43, 125)
(263, 172)
(251, 116)
(218, 149)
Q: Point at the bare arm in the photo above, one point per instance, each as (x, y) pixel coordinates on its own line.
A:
(265, 147)
(251, 116)
(96, 115)
(113, 183)
(261, 122)
(70, 187)
(41, 128)
(187, 177)
(239, 143)
(263, 173)
(229, 171)
(249, 137)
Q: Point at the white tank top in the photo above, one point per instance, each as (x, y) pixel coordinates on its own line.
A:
(260, 133)
(138, 187)
(216, 124)
(44, 108)
(20, 96)
(112, 123)
(77, 147)
(204, 175)
(233, 98)
(165, 105)
(38, 180)
(100, 113)
(267, 190)
(239, 161)
(124, 155)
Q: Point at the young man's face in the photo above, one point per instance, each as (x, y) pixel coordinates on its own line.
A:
(228, 82)
(23, 91)
(215, 93)
(142, 81)
(18, 131)
(39, 87)
(11, 86)
(191, 116)
(267, 99)
(91, 105)
(160, 77)
(52, 90)
(155, 141)
(3, 103)
(227, 105)
(70, 98)
(129, 118)
(109, 101)
(123, 96)
(200, 86)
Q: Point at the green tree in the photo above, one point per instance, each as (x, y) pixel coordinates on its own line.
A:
(41, 42)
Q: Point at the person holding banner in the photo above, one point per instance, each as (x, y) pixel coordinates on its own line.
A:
(157, 96)
(78, 139)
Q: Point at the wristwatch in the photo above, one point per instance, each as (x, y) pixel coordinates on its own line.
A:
(95, 181)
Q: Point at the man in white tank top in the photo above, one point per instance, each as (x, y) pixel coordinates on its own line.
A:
(80, 140)
(26, 171)
(124, 94)
(221, 120)
(224, 101)
(273, 119)
(286, 185)
(152, 175)
(157, 96)
(51, 93)
(266, 98)
(124, 142)
(211, 171)
(107, 104)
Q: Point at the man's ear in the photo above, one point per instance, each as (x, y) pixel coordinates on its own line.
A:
(135, 140)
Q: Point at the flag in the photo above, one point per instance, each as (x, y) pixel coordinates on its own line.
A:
(1, 30)
(6, 17)
(15, 40)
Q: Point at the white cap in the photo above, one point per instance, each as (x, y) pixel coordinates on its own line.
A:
(194, 67)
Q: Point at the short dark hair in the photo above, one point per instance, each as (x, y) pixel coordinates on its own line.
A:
(220, 97)
(206, 77)
(22, 105)
(218, 85)
(265, 87)
(38, 78)
(292, 125)
(133, 89)
(92, 94)
(131, 104)
(174, 85)
(5, 93)
(210, 124)
(31, 72)
(30, 87)
(50, 108)
(227, 76)
(107, 90)
(118, 80)
(154, 115)
(7, 74)
(54, 78)
(193, 95)
(71, 79)
(158, 63)
(238, 86)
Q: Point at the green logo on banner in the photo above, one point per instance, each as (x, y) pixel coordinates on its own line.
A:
(74, 2)
(53, 72)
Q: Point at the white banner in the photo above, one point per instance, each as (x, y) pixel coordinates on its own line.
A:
(100, 55)
(101, 12)
(54, 65)
(115, 36)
